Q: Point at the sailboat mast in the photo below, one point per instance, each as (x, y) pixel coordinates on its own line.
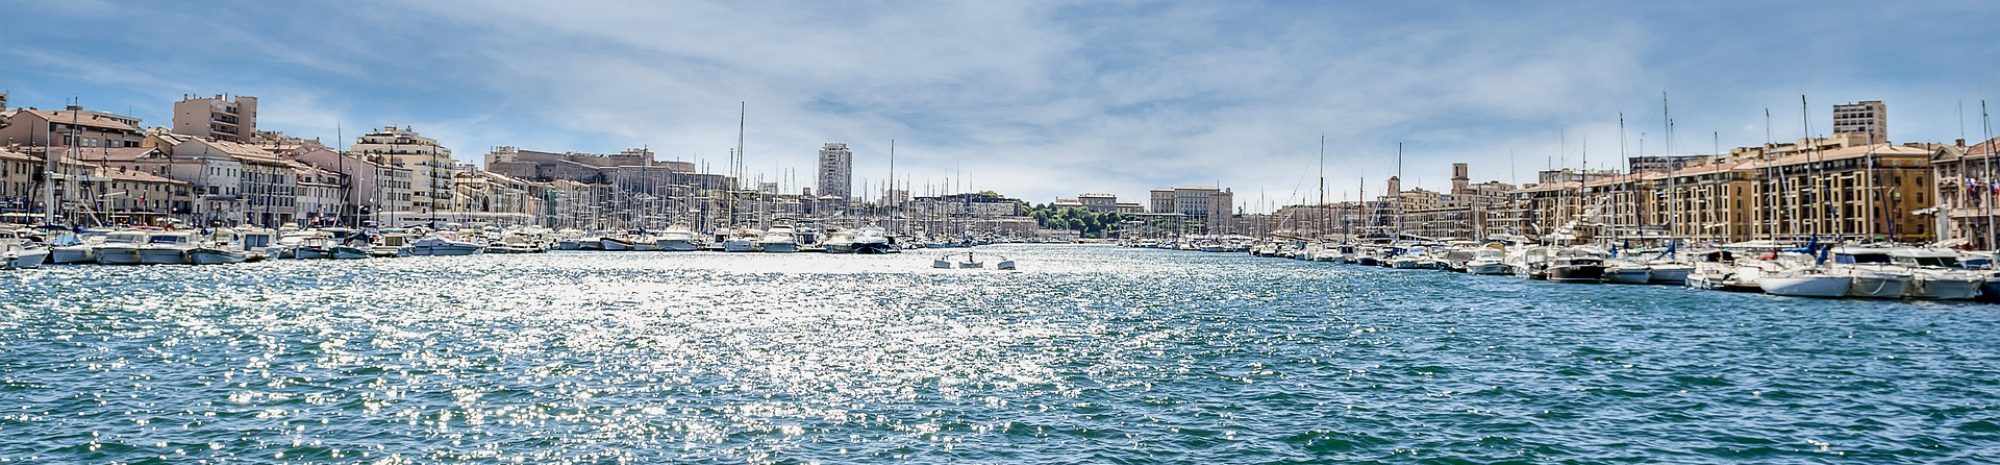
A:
(1673, 185)
(1321, 228)
(1397, 197)
(891, 194)
(1987, 182)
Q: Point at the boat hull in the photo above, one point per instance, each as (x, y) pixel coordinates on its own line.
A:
(779, 247)
(24, 259)
(614, 245)
(216, 256)
(1576, 274)
(163, 256)
(839, 247)
(739, 246)
(350, 253)
(874, 249)
(445, 250)
(1487, 268)
(1628, 275)
(117, 256)
(678, 245)
(1943, 289)
(1673, 275)
(72, 254)
(1805, 286)
(1878, 287)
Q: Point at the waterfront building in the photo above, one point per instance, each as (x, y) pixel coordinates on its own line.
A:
(1664, 163)
(321, 196)
(971, 205)
(72, 126)
(585, 167)
(1130, 208)
(490, 197)
(430, 164)
(376, 190)
(1869, 118)
(836, 170)
(1862, 191)
(1712, 203)
(137, 197)
(222, 117)
(20, 190)
(1966, 188)
(1099, 202)
(1199, 206)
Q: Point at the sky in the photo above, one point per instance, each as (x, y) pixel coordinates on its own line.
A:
(1038, 100)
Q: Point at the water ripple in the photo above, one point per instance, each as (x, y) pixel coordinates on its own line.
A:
(1093, 354)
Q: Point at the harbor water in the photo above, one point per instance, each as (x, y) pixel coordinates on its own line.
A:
(1089, 354)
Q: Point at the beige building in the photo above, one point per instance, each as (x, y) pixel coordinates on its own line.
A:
(1966, 191)
(70, 127)
(1204, 210)
(376, 190)
(431, 166)
(1864, 191)
(224, 118)
(1869, 118)
(321, 195)
(1099, 202)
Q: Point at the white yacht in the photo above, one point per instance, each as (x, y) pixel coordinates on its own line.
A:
(1936, 274)
(615, 243)
(167, 248)
(1530, 262)
(873, 240)
(677, 239)
(220, 247)
(1576, 265)
(73, 248)
(1489, 260)
(1797, 275)
(122, 247)
(839, 241)
(437, 245)
(17, 251)
(1870, 272)
(779, 240)
(742, 240)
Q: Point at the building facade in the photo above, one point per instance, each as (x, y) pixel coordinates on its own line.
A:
(1869, 118)
(221, 117)
(72, 127)
(430, 164)
(836, 170)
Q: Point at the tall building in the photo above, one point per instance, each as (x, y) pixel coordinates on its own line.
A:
(836, 170)
(1869, 118)
(430, 164)
(233, 119)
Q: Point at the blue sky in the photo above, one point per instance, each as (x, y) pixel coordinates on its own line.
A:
(1034, 99)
